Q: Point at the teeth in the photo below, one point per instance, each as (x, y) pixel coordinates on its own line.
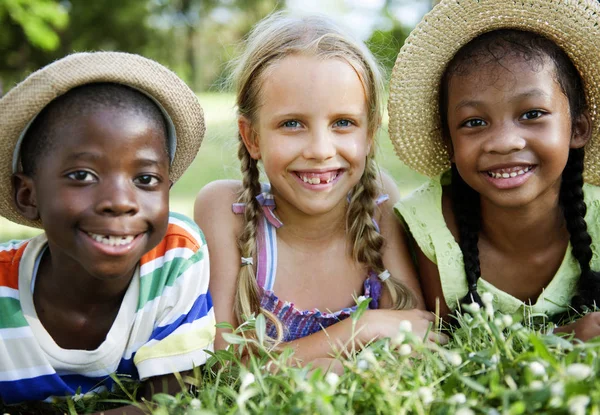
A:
(317, 180)
(508, 175)
(111, 240)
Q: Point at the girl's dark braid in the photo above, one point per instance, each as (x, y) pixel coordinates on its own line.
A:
(467, 211)
(574, 208)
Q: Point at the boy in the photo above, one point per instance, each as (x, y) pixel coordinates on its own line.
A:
(89, 148)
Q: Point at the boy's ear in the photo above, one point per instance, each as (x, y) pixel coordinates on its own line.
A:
(249, 137)
(24, 196)
(582, 130)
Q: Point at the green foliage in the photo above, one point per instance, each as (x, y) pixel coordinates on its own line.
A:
(493, 364)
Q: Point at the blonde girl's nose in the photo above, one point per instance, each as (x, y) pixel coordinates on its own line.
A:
(320, 145)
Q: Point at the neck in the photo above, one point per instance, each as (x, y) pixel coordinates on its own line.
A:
(75, 289)
(524, 229)
(313, 229)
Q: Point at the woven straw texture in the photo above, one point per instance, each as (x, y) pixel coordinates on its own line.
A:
(21, 104)
(413, 104)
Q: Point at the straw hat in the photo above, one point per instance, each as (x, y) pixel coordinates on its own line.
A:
(414, 127)
(178, 103)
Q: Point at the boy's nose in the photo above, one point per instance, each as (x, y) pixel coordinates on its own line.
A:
(320, 146)
(504, 140)
(117, 197)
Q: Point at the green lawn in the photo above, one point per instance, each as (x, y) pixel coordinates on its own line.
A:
(218, 160)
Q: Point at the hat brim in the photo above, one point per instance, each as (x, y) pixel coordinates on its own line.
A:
(22, 103)
(414, 126)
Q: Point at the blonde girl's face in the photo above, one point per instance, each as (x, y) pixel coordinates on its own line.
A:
(510, 127)
(311, 132)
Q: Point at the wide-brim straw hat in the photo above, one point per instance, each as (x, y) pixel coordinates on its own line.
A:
(414, 126)
(18, 108)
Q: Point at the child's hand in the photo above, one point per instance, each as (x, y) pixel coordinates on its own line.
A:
(586, 328)
(386, 323)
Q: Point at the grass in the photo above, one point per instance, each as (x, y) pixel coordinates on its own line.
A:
(494, 364)
(217, 159)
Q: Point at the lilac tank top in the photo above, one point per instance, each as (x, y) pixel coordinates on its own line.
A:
(296, 323)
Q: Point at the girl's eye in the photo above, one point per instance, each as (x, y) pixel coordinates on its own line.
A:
(342, 123)
(474, 123)
(532, 115)
(146, 180)
(291, 124)
(81, 176)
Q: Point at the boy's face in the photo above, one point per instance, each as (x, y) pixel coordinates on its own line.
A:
(102, 192)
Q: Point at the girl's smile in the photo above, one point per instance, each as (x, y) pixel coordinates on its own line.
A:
(311, 133)
(510, 127)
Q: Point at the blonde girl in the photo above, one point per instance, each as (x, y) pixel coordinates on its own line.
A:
(321, 231)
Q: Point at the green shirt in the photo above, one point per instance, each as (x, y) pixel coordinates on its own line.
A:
(421, 212)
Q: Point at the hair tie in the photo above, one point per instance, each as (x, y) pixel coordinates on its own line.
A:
(473, 287)
(247, 261)
(384, 275)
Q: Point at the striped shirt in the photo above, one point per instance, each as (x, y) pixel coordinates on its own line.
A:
(165, 323)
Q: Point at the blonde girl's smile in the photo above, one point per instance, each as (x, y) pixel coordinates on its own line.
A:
(311, 133)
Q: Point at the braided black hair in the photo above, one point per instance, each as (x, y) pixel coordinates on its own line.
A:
(494, 47)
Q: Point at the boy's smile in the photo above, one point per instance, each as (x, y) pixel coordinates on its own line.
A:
(102, 194)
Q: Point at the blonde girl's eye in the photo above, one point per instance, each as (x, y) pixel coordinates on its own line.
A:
(147, 180)
(532, 115)
(343, 123)
(474, 123)
(82, 176)
(291, 124)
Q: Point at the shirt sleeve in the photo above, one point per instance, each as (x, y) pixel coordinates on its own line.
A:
(176, 287)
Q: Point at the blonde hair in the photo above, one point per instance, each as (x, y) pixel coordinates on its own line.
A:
(271, 40)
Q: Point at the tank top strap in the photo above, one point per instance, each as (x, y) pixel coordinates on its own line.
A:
(268, 224)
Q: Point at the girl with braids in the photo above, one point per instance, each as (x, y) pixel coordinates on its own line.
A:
(515, 120)
(319, 234)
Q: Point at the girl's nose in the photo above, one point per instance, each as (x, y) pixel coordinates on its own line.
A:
(320, 146)
(117, 197)
(504, 140)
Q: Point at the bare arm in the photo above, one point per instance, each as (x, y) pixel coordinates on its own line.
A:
(396, 253)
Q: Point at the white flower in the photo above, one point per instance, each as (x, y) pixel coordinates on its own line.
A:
(507, 320)
(195, 403)
(472, 308)
(537, 385)
(405, 350)
(405, 326)
(557, 389)
(361, 299)
(332, 378)
(425, 394)
(577, 404)
(247, 380)
(399, 339)
(458, 399)
(362, 364)
(537, 369)
(369, 356)
(464, 411)
(487, 298)
(579, 371)
(495, 359)
(454, 359)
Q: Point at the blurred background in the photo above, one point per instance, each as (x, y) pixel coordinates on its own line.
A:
(196, 39)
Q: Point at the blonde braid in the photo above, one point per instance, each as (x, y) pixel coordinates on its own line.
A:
(247, 297)
(367, 242)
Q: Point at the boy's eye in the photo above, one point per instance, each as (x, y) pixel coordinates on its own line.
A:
(532, 115)
(291, 124)
(147, 180)
(342, 123)
(81, 176)
(475, 122)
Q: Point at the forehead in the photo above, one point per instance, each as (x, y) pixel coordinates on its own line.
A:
(312, 83)
(509, 76)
